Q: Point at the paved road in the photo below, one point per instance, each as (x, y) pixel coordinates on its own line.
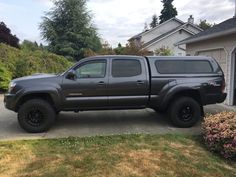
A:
(97, 123)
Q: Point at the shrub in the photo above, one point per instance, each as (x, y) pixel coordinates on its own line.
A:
(163, 51)
(219, 132)
(5, 77)
(23, 62)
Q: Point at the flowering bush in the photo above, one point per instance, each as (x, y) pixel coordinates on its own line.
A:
(219, 132)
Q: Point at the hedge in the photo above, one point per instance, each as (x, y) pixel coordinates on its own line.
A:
(17, 63)
(5, 77)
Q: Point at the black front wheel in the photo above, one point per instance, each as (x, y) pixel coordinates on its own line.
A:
(36, 116)
(185, 112)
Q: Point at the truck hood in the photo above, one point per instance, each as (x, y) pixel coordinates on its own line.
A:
(34, 76)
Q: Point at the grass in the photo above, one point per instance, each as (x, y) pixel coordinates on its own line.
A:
(112, 156)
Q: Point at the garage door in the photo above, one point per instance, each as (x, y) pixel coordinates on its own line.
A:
(218, 54)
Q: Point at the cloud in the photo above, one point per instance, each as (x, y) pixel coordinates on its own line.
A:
(47, 3)
(116, 20)
(214, 11)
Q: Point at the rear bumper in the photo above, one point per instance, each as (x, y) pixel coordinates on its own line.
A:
(222, 98)
(215, 98)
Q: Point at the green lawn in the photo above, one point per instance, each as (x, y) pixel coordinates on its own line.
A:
(111, 156)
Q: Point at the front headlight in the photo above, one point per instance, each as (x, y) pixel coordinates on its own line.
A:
(11, 86)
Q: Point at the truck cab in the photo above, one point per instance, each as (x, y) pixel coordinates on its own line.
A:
(106, 83)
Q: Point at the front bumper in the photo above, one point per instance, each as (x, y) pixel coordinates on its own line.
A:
(9, 101)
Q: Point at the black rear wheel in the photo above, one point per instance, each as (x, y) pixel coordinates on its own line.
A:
(185, 112)
(36, 116)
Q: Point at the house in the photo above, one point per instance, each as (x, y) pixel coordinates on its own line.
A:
(218, 42)
(167, 34)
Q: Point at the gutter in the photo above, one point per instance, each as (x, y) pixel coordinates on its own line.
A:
(219, 34)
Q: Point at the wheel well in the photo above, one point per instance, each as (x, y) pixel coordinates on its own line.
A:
(188, 93)
(44, 96)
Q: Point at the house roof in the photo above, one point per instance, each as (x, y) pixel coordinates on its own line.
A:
(224, 28)
(182, 27)
(148, 31)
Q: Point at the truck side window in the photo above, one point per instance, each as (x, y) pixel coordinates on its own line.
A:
(183, 67)
(91, 69)
(126, 68)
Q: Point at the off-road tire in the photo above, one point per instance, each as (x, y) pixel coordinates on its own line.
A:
(184, 112)
(36, 116)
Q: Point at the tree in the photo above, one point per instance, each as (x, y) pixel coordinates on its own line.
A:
(168, 12)
(68, 29)
(28, 45)
(163, 51)
(205, 25)
(106, 49)
(119, 50)
(145, 27)
(6, 36)
(132, 49)
(154, 22)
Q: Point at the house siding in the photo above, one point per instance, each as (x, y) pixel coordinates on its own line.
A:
(170, 42)
(160, 30)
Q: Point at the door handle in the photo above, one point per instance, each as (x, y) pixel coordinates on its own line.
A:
(101, 83)
(140, 82)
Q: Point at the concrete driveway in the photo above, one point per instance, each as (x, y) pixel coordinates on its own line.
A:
(98, 123)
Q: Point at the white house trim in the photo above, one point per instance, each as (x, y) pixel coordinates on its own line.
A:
(214, 35)
(209, 49)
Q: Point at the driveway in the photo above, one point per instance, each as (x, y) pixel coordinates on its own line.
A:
(98, 123)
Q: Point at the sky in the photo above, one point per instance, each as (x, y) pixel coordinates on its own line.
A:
(116, 20)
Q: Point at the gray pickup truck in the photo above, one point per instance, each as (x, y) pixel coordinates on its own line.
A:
(180, 86)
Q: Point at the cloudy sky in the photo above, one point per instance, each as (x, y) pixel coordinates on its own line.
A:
(117, 20)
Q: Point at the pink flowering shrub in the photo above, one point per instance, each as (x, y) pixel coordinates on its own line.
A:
(219, 132)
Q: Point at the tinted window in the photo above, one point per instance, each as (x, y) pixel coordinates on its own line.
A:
(183, 67)
(126, 68)
(93, 69)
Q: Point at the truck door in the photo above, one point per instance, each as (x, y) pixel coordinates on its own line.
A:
(89, 89)
(128, 82)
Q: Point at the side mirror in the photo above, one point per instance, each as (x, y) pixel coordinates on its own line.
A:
(71, 75)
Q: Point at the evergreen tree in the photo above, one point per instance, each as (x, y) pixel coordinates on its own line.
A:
(168, 12)
(154, 22)
(119, 50)
(205, 25)
(6, 37)
(68, 29)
